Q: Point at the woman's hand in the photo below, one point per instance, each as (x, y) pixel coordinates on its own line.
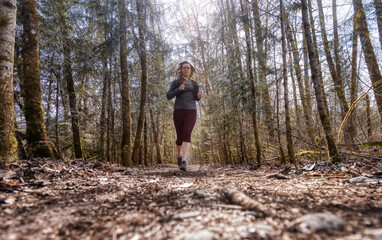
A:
(181, 87)
(199, 95)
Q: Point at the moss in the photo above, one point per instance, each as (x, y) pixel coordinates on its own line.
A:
(42, 149)
(371, 144)
(8, 148)
(4, 21)
(4, 58)
(309, 153)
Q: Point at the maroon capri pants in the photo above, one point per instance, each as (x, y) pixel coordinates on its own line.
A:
(184, 120)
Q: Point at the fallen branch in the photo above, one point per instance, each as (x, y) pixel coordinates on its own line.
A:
(234, 196)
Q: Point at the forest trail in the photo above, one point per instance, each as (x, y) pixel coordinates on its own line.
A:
(42, 199)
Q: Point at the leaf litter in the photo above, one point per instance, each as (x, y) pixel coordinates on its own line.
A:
(44, 199)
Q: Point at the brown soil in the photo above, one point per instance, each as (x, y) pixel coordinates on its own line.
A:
(42, 199)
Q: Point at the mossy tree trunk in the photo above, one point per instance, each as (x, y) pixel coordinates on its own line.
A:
(370, 58)
(126, 103)
(8, 143)
(317, 81)
(143, 59)
(38, 144)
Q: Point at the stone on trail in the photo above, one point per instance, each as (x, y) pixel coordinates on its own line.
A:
(318, 222)
(198, 235)
(184, 215)
(361, 179)
(264, 230)
(368, 234)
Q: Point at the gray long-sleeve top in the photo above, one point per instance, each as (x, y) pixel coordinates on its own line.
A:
(184, 99)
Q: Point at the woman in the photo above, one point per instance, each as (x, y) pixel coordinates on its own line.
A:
(186, 92)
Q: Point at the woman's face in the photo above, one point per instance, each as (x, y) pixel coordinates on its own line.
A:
(186, 70)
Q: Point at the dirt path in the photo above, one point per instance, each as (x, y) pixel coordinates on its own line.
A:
(79, 200)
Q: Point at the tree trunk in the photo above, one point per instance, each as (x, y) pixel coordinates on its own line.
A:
(378, 11)
(370, 58)
(307, 84)
(317, 80)
(315, 48)
(126, 103)
(103, 112)
(68, 75)
(8, 143)
(145, 144)
(245, 20)
(156, 138)
(261, 57)
(354, 82)
(281, 150)
(143, 58)
(58, 80)
(38, 144)
(108, 119)
(288, 124)
(295, 100)
(335, 71)
(296, 60)
(368, 118)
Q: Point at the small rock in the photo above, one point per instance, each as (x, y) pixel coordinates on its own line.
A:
(199, 235)
(310, 167)
(277, 176)
(264, 230)
(352, 237)
(373, 233)
(319, 222)
(200, 193)
(368, 234)
(10, 200)
(184, 215)
(360, 179)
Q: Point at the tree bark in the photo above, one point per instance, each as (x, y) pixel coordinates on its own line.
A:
(295, 100)
(353, 79)
(38, 144)
(261, 57)
(8, 143)
(245, 19)
(300, 83)
(317, 80)
(368, 117)
(370, 58)
(335, 70)
(126, 103)
(378, 11)
(143, 59)
(102, 123)
(156, 137)
(68, 76)
(288, 124)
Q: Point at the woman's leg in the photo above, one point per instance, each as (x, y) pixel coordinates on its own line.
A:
(189, 123)
(179, 122)
(179, 148)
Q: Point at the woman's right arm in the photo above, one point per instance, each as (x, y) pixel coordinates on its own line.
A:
(173, 90)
